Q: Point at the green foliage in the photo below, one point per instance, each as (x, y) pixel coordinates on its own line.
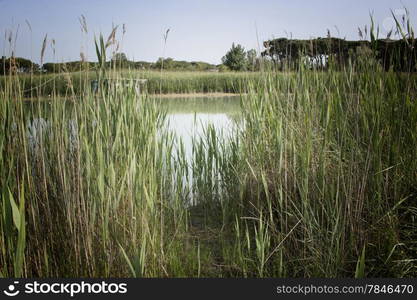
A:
(15, 240)
(101, 56)
(360, 265)
(223, 68)
(400, 55)
(17, 64)
(252, 60)
(174, 65)
(235, 58)
(119, 57)
(120, 60)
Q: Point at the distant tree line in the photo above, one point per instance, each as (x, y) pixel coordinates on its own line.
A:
(118, 61)
(399, 55)
(17, 65)
(236, 59)
(280, 54)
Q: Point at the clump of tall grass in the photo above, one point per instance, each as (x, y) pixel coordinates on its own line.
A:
(98, 200)
(330, 170)
(324, 178)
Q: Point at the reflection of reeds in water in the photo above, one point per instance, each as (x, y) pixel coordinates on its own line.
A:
(320, 181)
(204, 105)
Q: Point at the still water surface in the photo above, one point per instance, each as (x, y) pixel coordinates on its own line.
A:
(188, 118)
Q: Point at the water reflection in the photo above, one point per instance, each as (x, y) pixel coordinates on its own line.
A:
(188, 118)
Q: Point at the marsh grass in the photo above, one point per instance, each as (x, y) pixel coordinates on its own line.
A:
(170, 82)
(319, 179)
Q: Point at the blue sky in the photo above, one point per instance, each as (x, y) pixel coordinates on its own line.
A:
(201, 30)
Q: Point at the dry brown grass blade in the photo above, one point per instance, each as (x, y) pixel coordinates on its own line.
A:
(29, 26)
(83, 23)
(112, 37)
(44, 48)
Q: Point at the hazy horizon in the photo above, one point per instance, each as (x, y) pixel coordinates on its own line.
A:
(199, 30)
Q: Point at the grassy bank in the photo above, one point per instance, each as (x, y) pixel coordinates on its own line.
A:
(319, 179)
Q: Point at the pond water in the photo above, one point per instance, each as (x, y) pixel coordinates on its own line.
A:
(189, 118)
